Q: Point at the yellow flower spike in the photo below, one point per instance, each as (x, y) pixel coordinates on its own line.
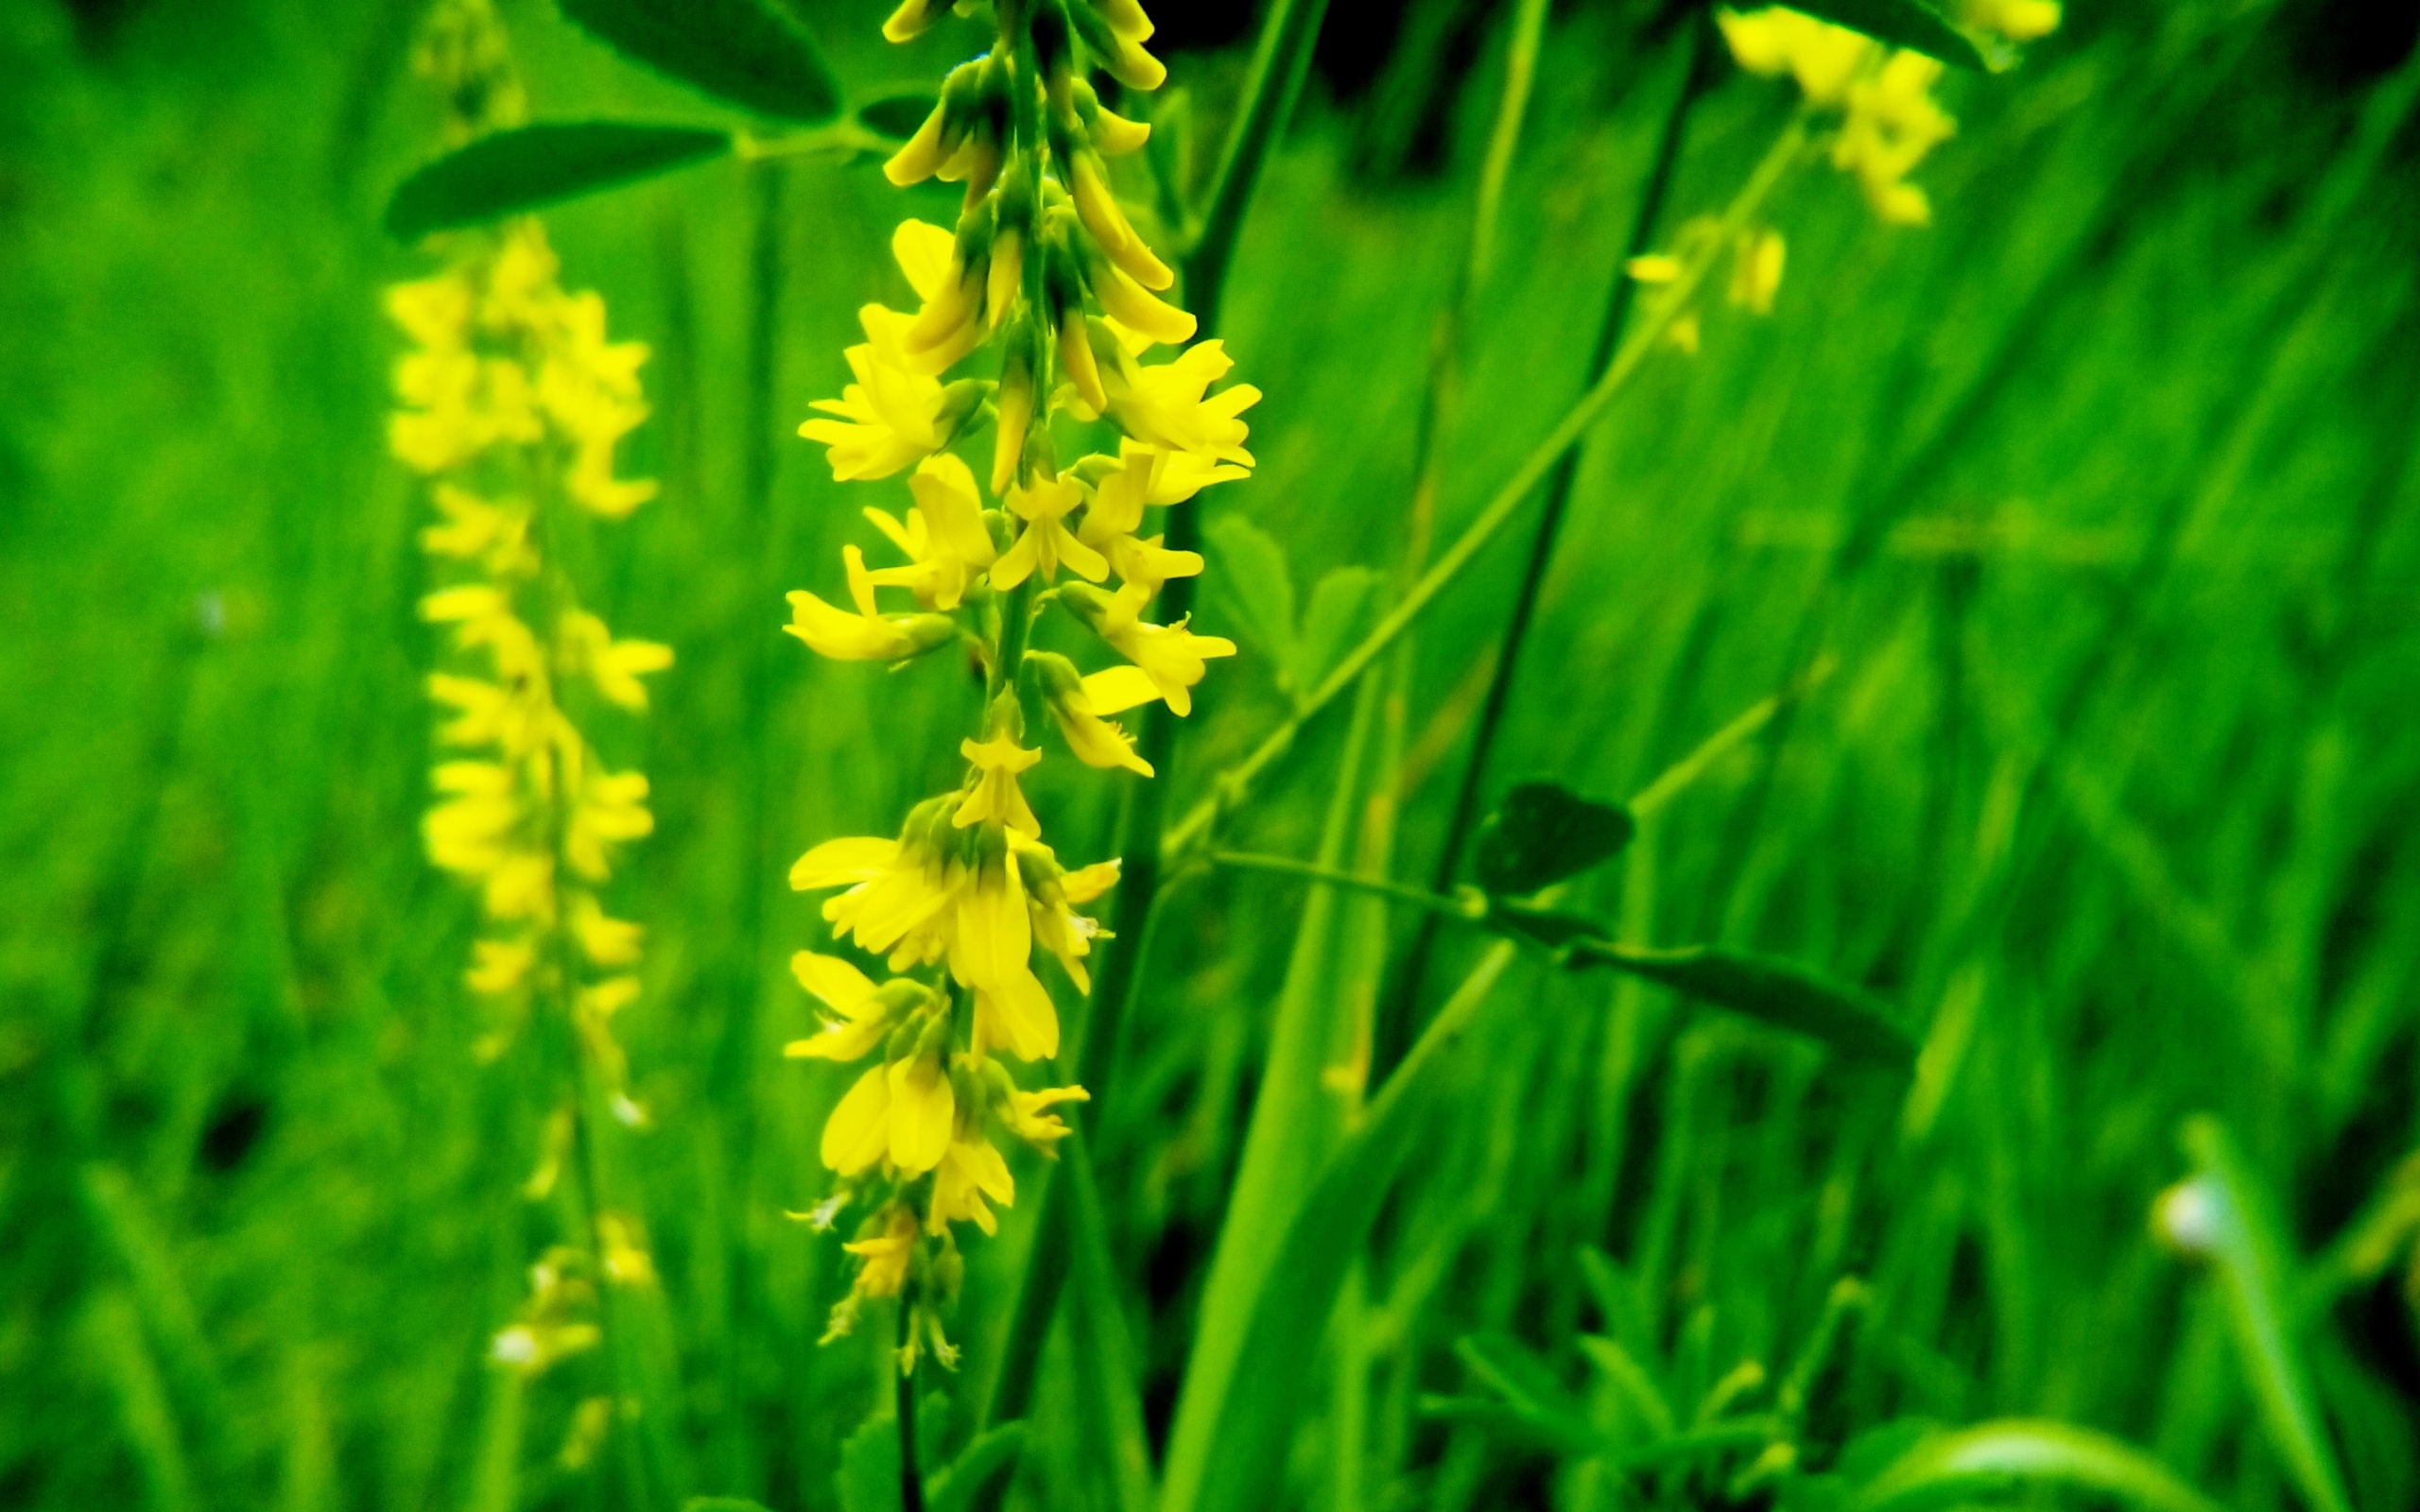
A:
(1046, 544)
(857, 1133)
(995, 795)
(895, 414)
(970, 1170)
(1164, 404)
(1755, 270)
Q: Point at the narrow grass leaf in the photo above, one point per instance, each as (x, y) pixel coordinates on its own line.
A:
(2020, 1451)
(1781, 993)
(739, 51)
(1647, 1418)
(533, 165)
(991, 1453)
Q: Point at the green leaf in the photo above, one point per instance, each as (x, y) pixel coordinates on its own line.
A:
(2015, 1451)
(1336, 617)
(1779, 992)
(1543, 832)
(1646, 1417)
(994, 1451)
(1530, 1391)
(739, 51)
(1253, 575)
(722, 1503)
(898, 115)
(867, 1479)
(532, 165)
(1903, 24)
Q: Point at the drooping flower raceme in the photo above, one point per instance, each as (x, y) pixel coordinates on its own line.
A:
(1036, 317)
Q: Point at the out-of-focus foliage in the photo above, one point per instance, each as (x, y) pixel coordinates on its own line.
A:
(2097, 498)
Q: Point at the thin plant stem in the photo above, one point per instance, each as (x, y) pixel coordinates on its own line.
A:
(1695, 76)
(1457, 907)
(1232, 785)
(911, 1481)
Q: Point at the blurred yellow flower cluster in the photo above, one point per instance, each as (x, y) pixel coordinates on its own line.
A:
(514, 399)
(1046, 276)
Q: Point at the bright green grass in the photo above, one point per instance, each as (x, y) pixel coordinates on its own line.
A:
(2116, 809)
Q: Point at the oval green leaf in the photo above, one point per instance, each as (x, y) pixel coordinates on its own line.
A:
(1954, 1466)
(1543, 832)
(899, 115)
(1902, 24)
(739, 51)
(1779, 992)
(534, 165)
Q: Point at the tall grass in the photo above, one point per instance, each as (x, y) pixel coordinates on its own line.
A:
(2072, 532)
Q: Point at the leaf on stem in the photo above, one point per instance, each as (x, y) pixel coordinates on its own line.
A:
(1543, 832)
(1778, 992)
(532, 165)
(1902, 24)
(898, 115)
(739, 51)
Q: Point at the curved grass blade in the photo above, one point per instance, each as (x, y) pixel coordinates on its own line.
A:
(1955, 1465)
(532, 165)
(739, 51)
(1902, 24)
(2224, 1215)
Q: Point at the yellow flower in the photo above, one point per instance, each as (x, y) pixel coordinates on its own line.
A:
(614, 666)
(1170, 656)
(866, 1012)
(1129, 303)
(946, 543)
(899, 893)
(1892, 123)
(990, 948)
(1093, 738)
(1164, 404)
(604, 940)
(995, 795)
(520, 296)
(901, 1112)
(1046, 542)
(496, 536)
(970, 1170)
(951, 322)
(867, 635)
(1107, 222)
(1776, 40)
(500, 966)
(1057, 927)
(891, 1242)
(434, 311)
(1755, 270)
(1028, 1118)
(609, 807)
(895, 414)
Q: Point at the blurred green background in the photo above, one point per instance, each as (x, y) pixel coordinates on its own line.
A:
(2097, 499)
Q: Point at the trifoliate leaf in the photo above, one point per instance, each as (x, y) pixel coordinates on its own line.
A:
(1902, 24)
(532, 165)
(897, 116)
(739, 51)
(1543, 832)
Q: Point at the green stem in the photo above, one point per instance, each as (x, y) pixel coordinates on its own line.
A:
(1232, 785)
(1469, 906)
(911, 1482)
